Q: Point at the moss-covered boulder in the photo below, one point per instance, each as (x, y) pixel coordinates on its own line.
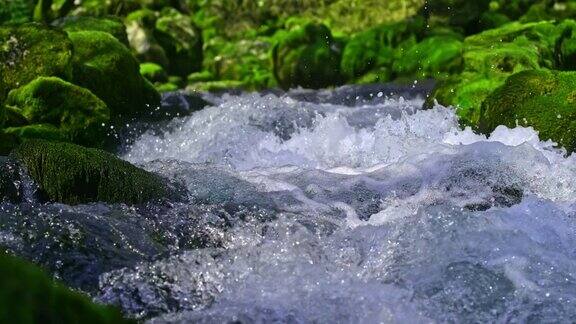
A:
(75, 112)
(545, 100)
(375, 48)
(153, 72)
(7, 142)
(30, 296)
(107, 68)
(464, 16)
(181, 41)
(110, 25)
(140, 27)
(435, 57)
(492, 56)
(308, 57)
(32, 50)
(73, 174)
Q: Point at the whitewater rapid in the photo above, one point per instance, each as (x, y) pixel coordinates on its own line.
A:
(376, 213)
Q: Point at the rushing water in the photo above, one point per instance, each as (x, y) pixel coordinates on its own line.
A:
(311, 211)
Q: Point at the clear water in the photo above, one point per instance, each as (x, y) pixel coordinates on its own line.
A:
(311, 212)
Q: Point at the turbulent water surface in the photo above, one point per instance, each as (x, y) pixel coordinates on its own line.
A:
(310, 211)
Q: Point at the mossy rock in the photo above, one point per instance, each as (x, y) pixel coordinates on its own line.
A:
(16, 11)
(32, 50)
(435, 57)
(28, 295)
(110, 25)
(246, 60)
(376, 47)
(75, 112)
(493, 55)
(545, 100)
(181, 41)
(106, 67)
(153, 72)
(140, 27)
(308, 57)
(72, 174)
(38, 131)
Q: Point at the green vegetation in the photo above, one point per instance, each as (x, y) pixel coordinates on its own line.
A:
(30, 296)
(72, 174)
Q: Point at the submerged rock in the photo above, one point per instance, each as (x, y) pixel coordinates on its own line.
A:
(106, 67)
(32, 50)
(307, 57)
(30, 296)
(75, 113)
(72, 174)
(545, 100)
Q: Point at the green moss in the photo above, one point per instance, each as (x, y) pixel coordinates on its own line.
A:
(376, 47)
(200, 77)
(74, 111)
(308, 57)
(435, 57)
(16, 11)
(247, 60)
(492, 56)
(153, 72)
(30, 296)
(167, 87)
(38, 131)
(181, 40)
(216, 86)
(32, 50)
(107, 68)
(13, 117)
(72, 174)
(545, 100)
(110, 25)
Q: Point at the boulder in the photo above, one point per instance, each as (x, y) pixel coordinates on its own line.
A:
(32, 50)
(72, 174)
(544, 100)
(110, 25)
(140, 27)
(106, 67)
(75, 113)
(181, 41)
(308, 57)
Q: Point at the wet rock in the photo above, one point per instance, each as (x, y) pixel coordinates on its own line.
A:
(72, 174)
(179, 104)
